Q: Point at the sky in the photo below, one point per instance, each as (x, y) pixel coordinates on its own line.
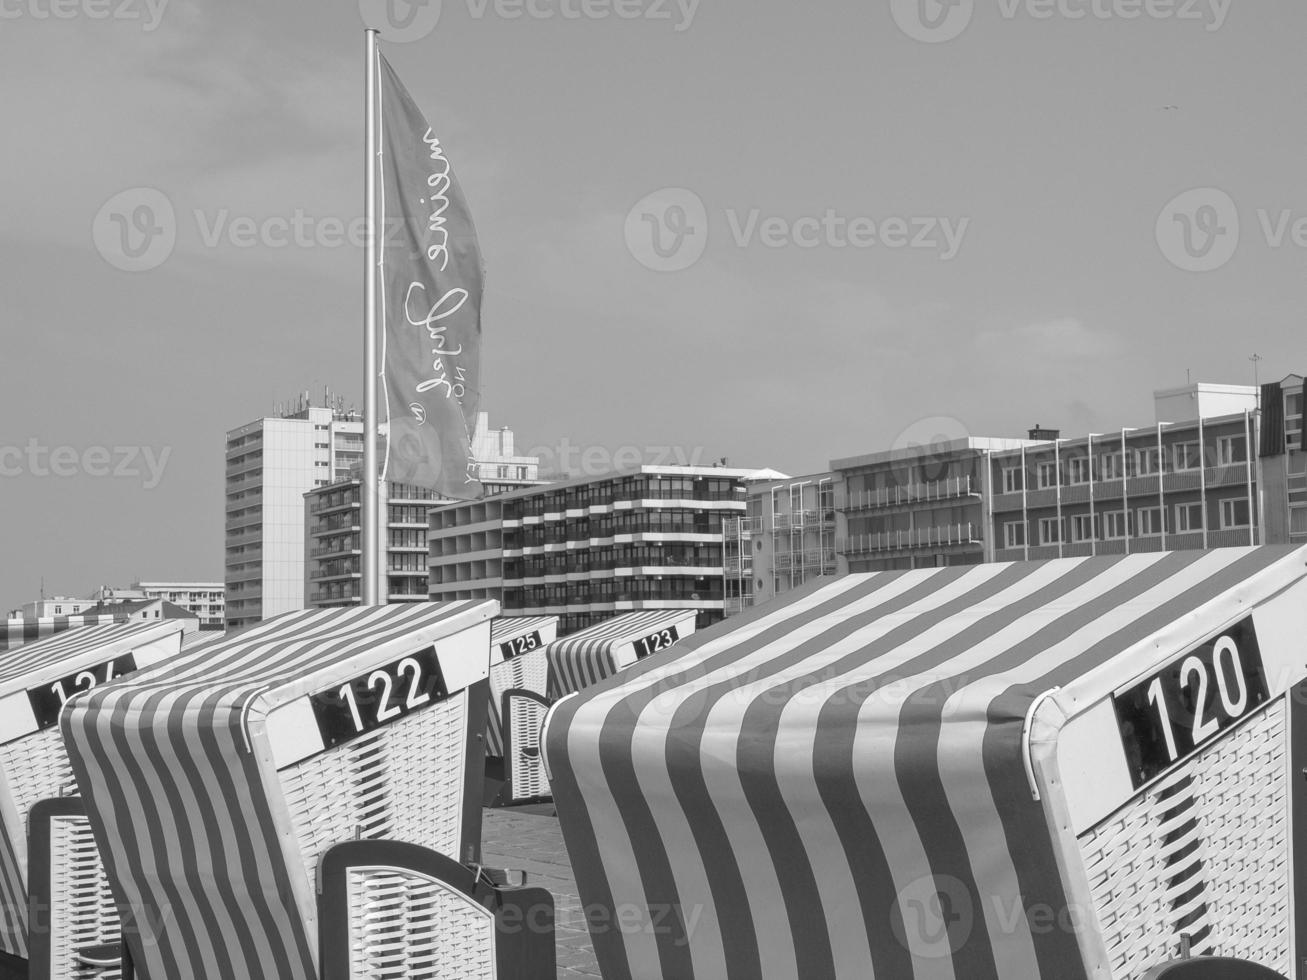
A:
(873, 222)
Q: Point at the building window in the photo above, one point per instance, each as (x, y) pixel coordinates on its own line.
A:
(1047, 475)
(1186, 456)
(1231, 450)
(1111, 466)
(1234, 513)
(1014, 534)
(1115, 525)
(1083, 527)
(1078, 470)
(1147, 462)
(1050, 530)
(1149, 520)
(1188, 517)
(1013, 479)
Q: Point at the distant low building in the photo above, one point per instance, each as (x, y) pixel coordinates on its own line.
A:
(20, 629)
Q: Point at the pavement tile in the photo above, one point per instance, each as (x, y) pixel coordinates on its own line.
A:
(529, 839)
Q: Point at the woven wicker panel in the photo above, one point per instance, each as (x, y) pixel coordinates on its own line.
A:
(401, 782)
(529, 672)
(527, 767)
(406, 926)
(36, 768)
(1203, 853)
(82, 911)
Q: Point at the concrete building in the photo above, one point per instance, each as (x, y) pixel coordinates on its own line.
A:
(786, 537)
(1191, 480)
(1221, 466)
(271, 463)
(332, 560)
(585, 549)
(206, 600)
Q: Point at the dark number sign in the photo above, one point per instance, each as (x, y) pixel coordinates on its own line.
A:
(1178, 710)
(520, 645)
(380, 697)
(49, 699)
(656, 642)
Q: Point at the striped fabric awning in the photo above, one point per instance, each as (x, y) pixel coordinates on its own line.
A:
(517, 645)
(35, 681)
(585, 658)
(19, 632)
(801, 788)
(508, 628)
(197, 748)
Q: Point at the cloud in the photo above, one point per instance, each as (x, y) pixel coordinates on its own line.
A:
(1061, 339)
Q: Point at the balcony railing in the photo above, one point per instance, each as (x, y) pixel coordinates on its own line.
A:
(952, 535)
(916, 493)
(798, 519)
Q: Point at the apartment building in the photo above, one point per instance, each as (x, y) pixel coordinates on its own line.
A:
(271, 463)
(1169, 487)
(333, 555)
(585, 549)
(786, 538)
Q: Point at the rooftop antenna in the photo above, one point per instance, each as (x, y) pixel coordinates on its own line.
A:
(1257, 360)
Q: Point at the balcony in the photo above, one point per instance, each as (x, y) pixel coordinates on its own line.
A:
(940, 490)
(951, 536)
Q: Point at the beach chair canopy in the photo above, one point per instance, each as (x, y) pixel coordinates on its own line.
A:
(587, 657)
(213, 786)
(517, 645)
(954, 773)
(35, 682)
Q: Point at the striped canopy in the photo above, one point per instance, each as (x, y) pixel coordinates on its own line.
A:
(587, 657)
(19, 632)
(32, 761)
(179, 777)
(507, 628)
(782, 796)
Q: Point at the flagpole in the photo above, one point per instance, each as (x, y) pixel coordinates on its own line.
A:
(369, 523)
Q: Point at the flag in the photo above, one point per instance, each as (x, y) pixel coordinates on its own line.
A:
(431, 288)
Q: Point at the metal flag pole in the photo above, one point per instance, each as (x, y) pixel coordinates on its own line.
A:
(368, 484)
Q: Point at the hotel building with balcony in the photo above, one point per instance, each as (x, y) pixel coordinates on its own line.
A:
(1182, 483)
(1222, 466)
(589, 548)
(333, 555)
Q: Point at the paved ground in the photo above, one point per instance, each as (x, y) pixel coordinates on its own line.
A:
(529, 839)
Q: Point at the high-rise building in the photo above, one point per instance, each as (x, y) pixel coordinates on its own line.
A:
(585, 549)
(332, 561)
(271, 463)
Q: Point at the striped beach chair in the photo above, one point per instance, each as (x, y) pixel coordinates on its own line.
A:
(287, 759)
(55, 908)
(571, 664)
(517, 645)
(1063, 770)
